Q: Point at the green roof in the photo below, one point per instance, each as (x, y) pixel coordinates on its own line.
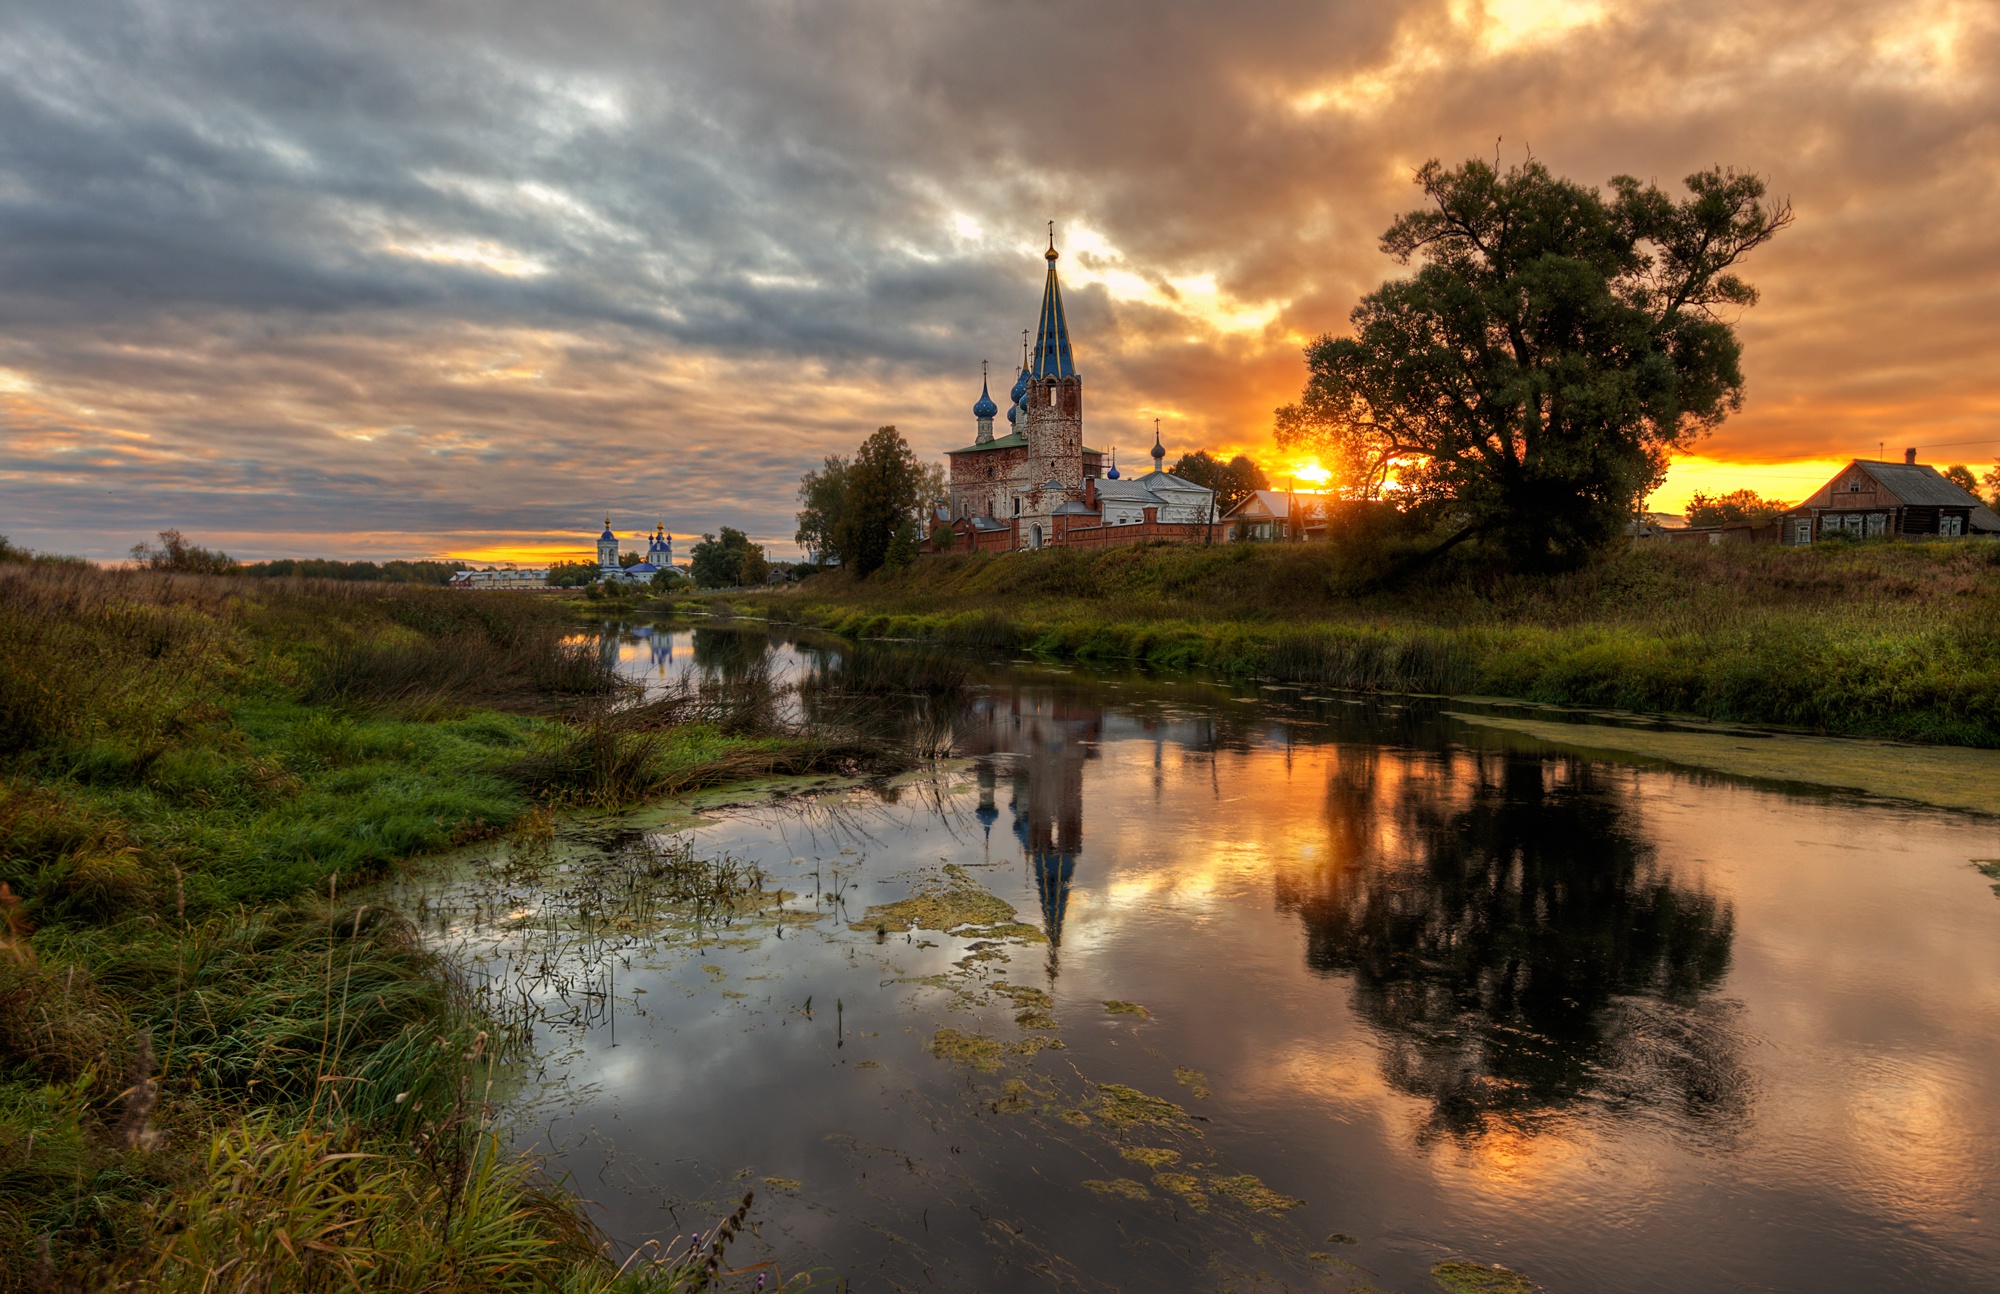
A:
(1012, 440)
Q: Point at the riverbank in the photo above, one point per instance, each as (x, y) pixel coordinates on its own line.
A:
(219, 1048)
(1897, 641)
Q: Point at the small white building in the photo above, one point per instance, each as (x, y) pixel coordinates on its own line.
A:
(504, 579)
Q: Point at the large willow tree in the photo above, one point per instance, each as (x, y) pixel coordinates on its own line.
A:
(1555, 344)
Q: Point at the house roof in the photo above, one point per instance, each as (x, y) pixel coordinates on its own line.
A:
(1913, 485)
(1261, 503)
(1071, 508)
(1012, 440)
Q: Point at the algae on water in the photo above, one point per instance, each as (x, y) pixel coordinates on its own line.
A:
(955, 904)
(1252, 1193)
(976, 1050)
(1121, 1187)
(1185, 1185)
(1194, 1080)
(1115, 1007)
(1151, 1156)
(1461, 1277)
(1123, 1106)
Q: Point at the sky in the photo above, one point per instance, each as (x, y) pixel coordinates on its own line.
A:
(425, 278)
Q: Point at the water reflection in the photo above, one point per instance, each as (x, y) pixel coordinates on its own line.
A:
(1511, 935)
(1042, 742)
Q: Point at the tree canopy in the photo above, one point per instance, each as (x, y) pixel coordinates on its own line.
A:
(1232, 481)
(1727, 509)
(1554, 346)
(852, 509)
(728, 561)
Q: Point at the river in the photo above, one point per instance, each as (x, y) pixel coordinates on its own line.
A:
(1304, 992)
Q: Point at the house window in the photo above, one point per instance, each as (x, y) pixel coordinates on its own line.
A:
(1878, 524)
(1951, 525)
(1854, 486)
(1804, 531)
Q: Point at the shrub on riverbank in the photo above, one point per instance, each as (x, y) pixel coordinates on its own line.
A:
(1893, 640)
(213, 1051)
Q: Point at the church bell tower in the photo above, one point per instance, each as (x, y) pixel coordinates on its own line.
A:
(1051, 418)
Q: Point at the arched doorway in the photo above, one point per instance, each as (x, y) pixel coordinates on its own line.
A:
(1034, 536)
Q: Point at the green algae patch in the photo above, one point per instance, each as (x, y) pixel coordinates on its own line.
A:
(1122, 1106)
(952, 902)
(976, 1050)
(1248, 1191)
(1035, 1046)
(1462, 1277)
(1184, 1186)
(1990, 869)
(1123, 1188)
(791, 1184)
(1036, 1020)
(1024, 997)
(1953, 777)
(1076, 1118)
(1153, 1157)
(1014, 1096)
(1115, 1007)
(1192, 1079)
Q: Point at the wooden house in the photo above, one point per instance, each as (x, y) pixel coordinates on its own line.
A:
(1871, 500)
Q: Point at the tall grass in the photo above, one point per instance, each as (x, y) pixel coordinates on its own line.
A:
(223, 1066)
(1892, 640)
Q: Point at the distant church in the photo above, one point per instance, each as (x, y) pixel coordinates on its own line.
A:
(1039, 485)
(659, 557)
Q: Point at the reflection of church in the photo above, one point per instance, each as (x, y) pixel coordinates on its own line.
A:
(1040, 745)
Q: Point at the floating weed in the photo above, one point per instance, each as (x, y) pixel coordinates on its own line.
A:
(869, 1064)
(1341, 1238)
(976, 1050)
(1075, 1117)
(1034, 1046)
(1034, 999)
(1115, 1007)
(714, 972)
(1036, 1020)
(1462, 1277)
(1989, 868)
(1123, 1106)
(1153, 1157)
(1192, 1079)
(1252, 1193)
(1123, 1188)
(951, 902)
(1184, 1185)
(1014, 1096)
(791, 1184)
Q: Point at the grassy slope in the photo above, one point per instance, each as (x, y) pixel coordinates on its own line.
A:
(1888, 640)
(193, 1014)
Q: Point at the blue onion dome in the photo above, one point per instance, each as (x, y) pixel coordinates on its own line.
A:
(985, 408)
(1011, 409)
(1020, 390)
(1113, 473)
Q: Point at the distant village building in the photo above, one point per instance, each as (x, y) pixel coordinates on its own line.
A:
(502, 579)
(1871, 500)
(1039, 485)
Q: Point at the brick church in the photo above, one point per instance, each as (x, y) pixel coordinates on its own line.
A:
(1039, 485)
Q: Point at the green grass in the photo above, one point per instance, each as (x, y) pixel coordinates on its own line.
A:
(215, 1044)
(1888, 640)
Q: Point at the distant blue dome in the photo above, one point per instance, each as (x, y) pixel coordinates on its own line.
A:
(985, 408)
(1111, 475)
(607, 535)
(1020, 387)
(1010, 414)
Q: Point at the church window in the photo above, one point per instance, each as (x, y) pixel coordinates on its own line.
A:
(1017, 507)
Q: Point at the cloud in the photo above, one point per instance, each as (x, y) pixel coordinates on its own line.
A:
(435, 277)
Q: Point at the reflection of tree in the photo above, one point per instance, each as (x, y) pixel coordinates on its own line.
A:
(1507, 930)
